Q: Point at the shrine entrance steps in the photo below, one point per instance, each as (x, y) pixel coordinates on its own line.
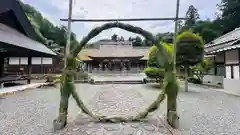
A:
(118, 78)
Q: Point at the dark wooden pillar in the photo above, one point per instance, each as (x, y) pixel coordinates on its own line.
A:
(110, 65)
(215, 64)
(239, 60)
(29, 69)
(1, 66)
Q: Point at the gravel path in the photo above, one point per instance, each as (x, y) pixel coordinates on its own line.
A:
(202, 111)
(116, 101)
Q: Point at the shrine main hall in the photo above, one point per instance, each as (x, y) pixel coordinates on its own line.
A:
(109, 55)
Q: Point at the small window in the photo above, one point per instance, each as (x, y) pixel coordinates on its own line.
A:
(23, 60)
(47, 61)
(36, 60)
(228, 72)
(236, 72)
(14, 61)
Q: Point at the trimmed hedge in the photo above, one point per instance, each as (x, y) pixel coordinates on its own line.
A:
(194, 79)
(154, 72)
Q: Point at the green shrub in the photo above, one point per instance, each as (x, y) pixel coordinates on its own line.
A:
(154, 72)
(194, 79)
(152, 57)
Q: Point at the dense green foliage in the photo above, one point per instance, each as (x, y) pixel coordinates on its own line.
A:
(198, 71)
(152, 57)
(154, 72)
(189, 51)
(189, 48)
(230, 17)
(225, 22)
(47, 33)
(155, 67)
(209, 29)
(192, 14)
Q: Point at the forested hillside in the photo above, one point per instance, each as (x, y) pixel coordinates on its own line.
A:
(47, 32)
(226, 21)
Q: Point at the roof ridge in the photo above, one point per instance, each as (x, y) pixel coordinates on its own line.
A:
(223, 36)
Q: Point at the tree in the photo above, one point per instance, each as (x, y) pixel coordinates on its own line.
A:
(189, 51)
(198, 71)
(130, 39)
(155, 68)
(152, 57)
(165, 37)
(209, 34)
(137, 41)
(45, 30)
(147, 42)
(193, 16)
(155, 73)
(209, 30)
(114, 37)
(121, 38)
(230, 15)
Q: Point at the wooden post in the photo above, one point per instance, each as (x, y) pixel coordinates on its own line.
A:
(29, 69)
(61, 121)
(1, 66)
(175, 36)
(172, 117)
(67, 49)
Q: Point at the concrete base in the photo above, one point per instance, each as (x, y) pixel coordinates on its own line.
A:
(229, 85)
(212, 80)
(232, 86)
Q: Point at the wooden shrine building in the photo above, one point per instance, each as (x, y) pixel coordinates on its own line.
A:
(17, 39)
(114, 56)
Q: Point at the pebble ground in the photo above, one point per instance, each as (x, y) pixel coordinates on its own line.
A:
(202, 110)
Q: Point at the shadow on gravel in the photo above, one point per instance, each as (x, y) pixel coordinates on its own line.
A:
(153, 86)
(191, 92)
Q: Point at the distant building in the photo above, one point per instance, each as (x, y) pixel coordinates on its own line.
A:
(109, 55)
(225, 52)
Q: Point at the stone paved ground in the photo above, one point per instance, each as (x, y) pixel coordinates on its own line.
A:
(202, 111)
(127, 77)
(113, 100)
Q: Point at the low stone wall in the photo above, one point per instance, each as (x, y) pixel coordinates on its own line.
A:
(212, 80)
(232, 86)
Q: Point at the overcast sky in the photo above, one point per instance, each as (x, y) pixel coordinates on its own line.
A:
(56, 9)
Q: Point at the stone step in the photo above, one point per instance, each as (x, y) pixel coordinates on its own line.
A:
(119, 82)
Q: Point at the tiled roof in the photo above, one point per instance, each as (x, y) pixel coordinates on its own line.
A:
(231, 36)
(11, 36)
(114, 52)
(226, 42)
(225, 49)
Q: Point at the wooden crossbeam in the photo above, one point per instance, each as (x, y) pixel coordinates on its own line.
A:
(126, 19)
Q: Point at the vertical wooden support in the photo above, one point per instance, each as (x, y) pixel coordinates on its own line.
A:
(29, 69)
(224, 58)
(239, 61)
(215, 65)
(1, 66)
(129, 65)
